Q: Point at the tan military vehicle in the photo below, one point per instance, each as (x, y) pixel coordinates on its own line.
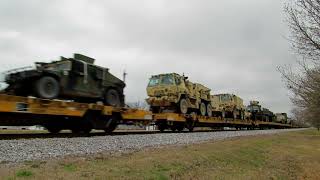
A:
(281, 118)
(173, 92)
(228, 106)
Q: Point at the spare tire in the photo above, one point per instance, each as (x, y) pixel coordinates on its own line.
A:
(112, 98)
(47, 88)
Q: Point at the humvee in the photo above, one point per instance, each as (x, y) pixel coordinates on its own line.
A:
(228, 105)
(69, 78)
(173, 92)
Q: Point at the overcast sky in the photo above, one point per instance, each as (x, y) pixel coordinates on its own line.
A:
(230, 46)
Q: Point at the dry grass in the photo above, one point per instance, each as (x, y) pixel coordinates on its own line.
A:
(294, 155)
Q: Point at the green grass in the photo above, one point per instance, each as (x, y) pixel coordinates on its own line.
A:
(294, 155)
(24, 173)
(69, 167)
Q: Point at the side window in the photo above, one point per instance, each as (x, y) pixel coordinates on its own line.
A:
(78, 67)
(98, 73)
(178, 81)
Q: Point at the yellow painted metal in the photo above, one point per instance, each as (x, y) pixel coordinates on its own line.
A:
(30, 105)
(136, 114)
(39, 106)
(170, 117)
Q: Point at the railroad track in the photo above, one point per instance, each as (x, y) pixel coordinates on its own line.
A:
(45, 135)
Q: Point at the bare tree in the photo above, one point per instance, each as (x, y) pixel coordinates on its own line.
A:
(304, 21)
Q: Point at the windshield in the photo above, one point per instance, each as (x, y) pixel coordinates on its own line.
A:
(167, 80)
(225, 98)
(61, 66)
(154, 81)
(253, 108)
(163, 80)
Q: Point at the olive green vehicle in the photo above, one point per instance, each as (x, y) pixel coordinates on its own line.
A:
(69, 78)
(260, 113)
(228, 106)
(173, 92)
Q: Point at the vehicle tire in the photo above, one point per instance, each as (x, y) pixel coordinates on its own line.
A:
(203, 109)
(112, 98)
(209, 110)
(183, 106)
(47, 88)
(223, 114)
(234, 114)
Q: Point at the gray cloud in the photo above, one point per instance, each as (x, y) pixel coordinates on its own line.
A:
(231, 46)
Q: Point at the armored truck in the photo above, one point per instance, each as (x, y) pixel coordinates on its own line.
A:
(173, 92)
(74, 78)
(228, 105)
(260, 113)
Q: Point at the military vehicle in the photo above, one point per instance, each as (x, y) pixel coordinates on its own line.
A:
(173, 92)
(228, 106)
(281, 118)
(69, 78)
(260, 113)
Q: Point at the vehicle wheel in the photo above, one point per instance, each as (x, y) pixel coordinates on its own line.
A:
(223, 114)
(47, 88)
(112, 98)
(162, 127)
(209, 110)
(234, 114)
(203, 109)
(183, 106)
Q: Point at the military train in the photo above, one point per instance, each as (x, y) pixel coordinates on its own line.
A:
(74, 93)
(175, 93)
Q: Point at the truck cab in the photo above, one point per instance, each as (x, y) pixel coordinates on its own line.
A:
(173, 92)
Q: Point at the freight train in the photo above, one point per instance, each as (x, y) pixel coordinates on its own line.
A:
(76, 95)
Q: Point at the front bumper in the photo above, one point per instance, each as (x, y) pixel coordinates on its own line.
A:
(161, 101)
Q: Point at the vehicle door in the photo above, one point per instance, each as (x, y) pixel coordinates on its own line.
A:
(78, 82)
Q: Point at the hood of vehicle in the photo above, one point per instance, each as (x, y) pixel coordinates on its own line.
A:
(158, 91)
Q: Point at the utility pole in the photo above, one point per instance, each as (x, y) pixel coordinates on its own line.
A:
(124, 76)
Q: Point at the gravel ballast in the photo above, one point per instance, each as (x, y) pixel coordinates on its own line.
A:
(41, 149)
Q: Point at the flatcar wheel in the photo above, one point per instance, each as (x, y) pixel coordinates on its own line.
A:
(53, 130)
(162, 127)
(111, 125)
(180, 128)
